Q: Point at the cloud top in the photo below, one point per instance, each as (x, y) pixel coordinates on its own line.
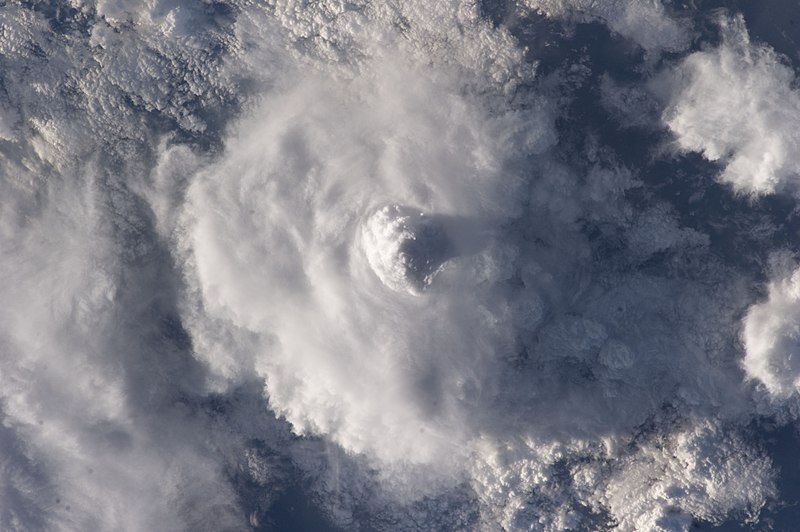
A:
(738, 104)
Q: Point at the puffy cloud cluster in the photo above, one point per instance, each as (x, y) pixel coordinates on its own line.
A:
(703, 472)
(346, 35)
(374, 244)
(738, 104)
(464, 317)
(771, 335)
(345, 354)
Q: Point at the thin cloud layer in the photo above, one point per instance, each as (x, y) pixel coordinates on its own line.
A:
(647, 23)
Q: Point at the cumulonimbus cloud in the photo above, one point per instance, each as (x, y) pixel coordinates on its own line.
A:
(386, 225)
(311, 235)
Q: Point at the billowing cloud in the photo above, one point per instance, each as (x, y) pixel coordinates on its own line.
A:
(372, 261)
(703, 472)
(77, 427)
(738, 104)
(375, 244)
(347, 350)
(771, 335)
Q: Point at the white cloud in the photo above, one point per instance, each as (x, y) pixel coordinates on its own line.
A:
(144, 280)
(703, 472)
(432, 388)
(771, 336)
(700, 471)
(738, 104)
(69, 383)
(350, 357)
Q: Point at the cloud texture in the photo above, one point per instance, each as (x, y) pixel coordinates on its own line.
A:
(390, 263)
(755, 143)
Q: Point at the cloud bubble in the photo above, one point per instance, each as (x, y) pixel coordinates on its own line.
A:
(404, 248)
